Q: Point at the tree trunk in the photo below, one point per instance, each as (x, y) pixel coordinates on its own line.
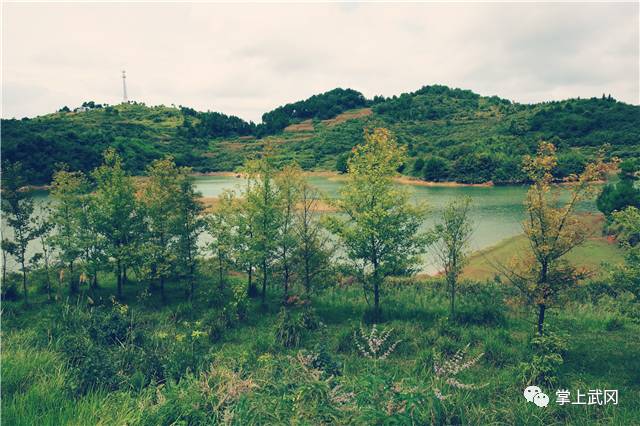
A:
(376, 299)
(192, 283)
(452, 288)
(73, 284)
(4, 266)
(542, 308)
(286, 282)
(119, 279)
(307, 273)
(47, 279)
(251, 288)
(376, 288)
(264, 281)
(220, 273)
(24, 282)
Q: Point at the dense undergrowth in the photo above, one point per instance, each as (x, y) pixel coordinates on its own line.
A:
(225, 359)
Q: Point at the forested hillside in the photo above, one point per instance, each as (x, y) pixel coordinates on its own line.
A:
(450, 134)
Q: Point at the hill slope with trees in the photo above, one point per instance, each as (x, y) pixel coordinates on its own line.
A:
(450, 134)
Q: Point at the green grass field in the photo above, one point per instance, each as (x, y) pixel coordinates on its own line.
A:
(597, 251)
(86, 360)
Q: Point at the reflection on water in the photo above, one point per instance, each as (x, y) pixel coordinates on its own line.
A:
(497, 212)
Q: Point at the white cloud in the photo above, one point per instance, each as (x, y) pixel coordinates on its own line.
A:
(246, 59)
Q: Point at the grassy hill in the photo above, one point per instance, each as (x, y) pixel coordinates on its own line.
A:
(450, 134)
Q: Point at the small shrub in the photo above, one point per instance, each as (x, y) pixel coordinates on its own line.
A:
(614, 323)
(183, 353)
(310, 319)
(93, 366)
(109, 326)
(9, 290)
(322, 360)
(240, 302)
(214, 325)
(548, 352)
(289, 330)
(624, 304)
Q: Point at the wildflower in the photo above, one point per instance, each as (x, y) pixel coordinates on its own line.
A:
(374, 343)
(197, 333)
(447, 370)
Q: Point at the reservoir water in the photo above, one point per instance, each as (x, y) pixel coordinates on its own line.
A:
(497, 212)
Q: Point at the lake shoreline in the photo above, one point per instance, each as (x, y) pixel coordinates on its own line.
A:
(336, 176)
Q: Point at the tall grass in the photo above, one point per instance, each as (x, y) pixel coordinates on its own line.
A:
(235, 371)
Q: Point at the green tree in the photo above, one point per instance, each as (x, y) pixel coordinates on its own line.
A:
(627, 226)
(158, 201)
(222, 226)
(289, 182)
(45, 226)
(244, 242)
(341, 162)
(553, 229)
(18, 211)
(453, 234)
(312, 254)
(435, 169)
(90, 242)
(189, 225)
(627, 276)
(68, 189)
(379, 228)
(618, 196)
(263, 204)
(117, 216)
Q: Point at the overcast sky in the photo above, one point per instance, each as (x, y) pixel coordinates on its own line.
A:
(246, 59)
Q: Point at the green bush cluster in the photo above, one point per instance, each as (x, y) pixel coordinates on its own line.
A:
(548, 353)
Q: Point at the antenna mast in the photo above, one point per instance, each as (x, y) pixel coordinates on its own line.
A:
(124, 87)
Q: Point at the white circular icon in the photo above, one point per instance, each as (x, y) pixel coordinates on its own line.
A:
(541, 400)
(530, 392)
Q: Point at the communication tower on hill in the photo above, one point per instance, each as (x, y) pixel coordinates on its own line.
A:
(124, 87)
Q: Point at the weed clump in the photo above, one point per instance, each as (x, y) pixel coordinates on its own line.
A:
(289, 330)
